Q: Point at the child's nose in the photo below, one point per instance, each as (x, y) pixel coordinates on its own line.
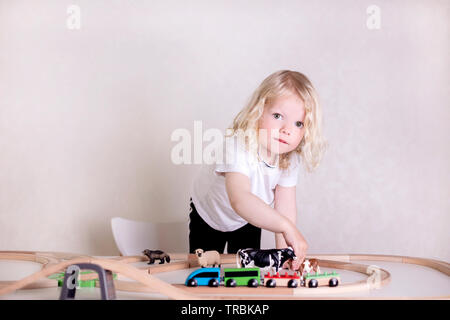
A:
(285, 131)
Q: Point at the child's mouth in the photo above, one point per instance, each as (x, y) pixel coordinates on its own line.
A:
(281, 140)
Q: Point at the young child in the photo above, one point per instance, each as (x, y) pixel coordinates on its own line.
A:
(255, 186)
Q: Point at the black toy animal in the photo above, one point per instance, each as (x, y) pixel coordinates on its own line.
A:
(156, 254)
(264, 258)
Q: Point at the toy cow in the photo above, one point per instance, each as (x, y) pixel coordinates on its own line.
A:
(309, 265)
(207, 258)
(156, 254)
(266, 259)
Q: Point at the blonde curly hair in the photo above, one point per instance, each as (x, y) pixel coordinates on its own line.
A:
(313, 145)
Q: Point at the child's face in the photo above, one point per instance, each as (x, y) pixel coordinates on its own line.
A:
(283, 119)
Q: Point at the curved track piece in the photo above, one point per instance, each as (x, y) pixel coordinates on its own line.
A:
(53, 262)
(115, 266)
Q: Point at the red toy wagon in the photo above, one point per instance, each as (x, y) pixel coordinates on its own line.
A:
(285, 280)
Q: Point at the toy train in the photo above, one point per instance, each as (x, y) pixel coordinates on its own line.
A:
(251, 277)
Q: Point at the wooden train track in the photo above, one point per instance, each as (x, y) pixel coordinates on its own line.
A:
(145, 281)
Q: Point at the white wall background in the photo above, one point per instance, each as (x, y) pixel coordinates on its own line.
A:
(86, 115)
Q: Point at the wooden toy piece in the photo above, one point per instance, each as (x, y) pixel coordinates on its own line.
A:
(309, 265)
(233, 277)
(156, 254)
(284, 280)
(160, 268)
(146, 280)
(207, 258)
(265, 259)
(204, 277)
(324, 279)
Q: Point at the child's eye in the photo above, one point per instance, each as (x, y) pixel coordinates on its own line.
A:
(299, 124)
(277, 115)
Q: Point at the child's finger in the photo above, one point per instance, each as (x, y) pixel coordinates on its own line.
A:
(300, 258)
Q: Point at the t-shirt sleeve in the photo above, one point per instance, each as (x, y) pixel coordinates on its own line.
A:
(289, 177)
(235, 158)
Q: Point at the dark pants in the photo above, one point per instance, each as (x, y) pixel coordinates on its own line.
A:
(202, 236)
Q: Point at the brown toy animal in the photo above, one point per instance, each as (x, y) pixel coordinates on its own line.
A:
(156, 254)
(307, 266)
(207, 258)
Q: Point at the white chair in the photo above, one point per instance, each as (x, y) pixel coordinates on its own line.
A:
(267, 240)
(132, 237)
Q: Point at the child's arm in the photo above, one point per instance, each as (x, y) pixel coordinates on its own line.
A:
(259, 214)
(286, 205)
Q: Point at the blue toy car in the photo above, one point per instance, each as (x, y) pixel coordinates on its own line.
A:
(204, 277)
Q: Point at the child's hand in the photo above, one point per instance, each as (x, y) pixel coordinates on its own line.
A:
(295, 239)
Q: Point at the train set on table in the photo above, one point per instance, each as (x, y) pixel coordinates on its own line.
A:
(251, 262)
(55, 262)
(252, 277)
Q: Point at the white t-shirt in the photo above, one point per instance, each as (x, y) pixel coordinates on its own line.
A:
(208, 190)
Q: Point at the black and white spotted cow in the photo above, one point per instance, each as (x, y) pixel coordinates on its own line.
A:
(266, 258)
